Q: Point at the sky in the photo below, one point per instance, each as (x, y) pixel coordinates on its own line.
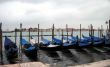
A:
(58, 12)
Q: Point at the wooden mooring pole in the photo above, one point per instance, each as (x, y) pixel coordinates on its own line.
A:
(72, 32)
(38, 33)
(1, 54)
(29, 34)
(91, 33)
(38, 43)
(89, 30)
(107, 29)
(67, 31)
(15, 35)
(62, 35)
(93, 30)
(20, 46)
(53, 32)
(109, 26)
(41, 34)
(101, 31)
(80, 31)
(98, 32)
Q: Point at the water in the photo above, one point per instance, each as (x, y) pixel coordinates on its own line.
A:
(66, 58)
(62, 58)
(34, 34)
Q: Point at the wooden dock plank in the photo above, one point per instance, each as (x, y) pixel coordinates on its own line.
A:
(29, 64)
(33, 64)
(104, 63)
(10, 65)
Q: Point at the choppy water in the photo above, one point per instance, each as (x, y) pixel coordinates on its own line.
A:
(63, 58)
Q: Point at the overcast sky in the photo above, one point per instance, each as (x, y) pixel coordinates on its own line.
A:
(59, 12)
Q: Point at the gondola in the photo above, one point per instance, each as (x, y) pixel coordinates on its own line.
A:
(73, 42)
(11, 49)
(48, 45)
(45, 44)
(65, 44)
(81, 43)
(29, 49)
(70, 41)
(95, 41)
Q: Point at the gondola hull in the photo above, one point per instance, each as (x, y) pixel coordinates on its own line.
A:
(49, 46)
(28, 49)
(98, 44)
(107, 45)
(11, 49)
(11, 54)
(95, 41)
(70, 46)
(31, 53)
(107, 42)
(85, 45)
(58, 48)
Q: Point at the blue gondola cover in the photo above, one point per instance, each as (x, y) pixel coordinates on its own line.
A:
(11, 49)
(45, 41)
(57, 41)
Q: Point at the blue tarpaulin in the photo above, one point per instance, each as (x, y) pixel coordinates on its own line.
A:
(45, 41)
(58, 41)
(23, 42)
(7, 41)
